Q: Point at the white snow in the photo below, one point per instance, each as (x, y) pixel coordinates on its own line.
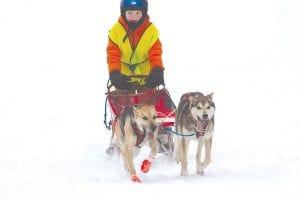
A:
(53, 75)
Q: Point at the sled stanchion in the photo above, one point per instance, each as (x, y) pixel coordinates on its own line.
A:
(105, 115)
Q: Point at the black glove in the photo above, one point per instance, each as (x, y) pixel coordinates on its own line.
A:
(155, 78)
(119, 80)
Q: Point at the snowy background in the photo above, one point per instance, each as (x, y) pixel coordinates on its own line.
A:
(53, 77)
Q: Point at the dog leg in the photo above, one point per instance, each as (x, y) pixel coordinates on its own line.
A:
(177, 149)
(146, 165)
(125, 161)
(202, 165)
(119, 147)
(154, 147)
(129, 159)
(199, 168)
(171, 146)
(207, 159)
(184, 155)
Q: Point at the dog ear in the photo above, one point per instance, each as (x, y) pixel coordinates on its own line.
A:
(191, 101)
(210, 96)
(191, 98)
(153, 107)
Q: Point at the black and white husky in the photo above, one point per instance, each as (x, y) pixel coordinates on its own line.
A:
(194, 121)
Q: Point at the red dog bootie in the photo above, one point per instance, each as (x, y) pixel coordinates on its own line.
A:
(145, 167)
(136, 179)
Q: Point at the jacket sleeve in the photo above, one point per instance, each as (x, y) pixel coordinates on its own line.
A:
(113, 56)
(154, 55)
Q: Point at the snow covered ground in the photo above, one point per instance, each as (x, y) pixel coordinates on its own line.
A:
(53, 77)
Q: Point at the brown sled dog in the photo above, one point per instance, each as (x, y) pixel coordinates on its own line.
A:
(135, 126)
(194, 121)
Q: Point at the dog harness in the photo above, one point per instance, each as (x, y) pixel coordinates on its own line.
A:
(139, 134)
(201, 127)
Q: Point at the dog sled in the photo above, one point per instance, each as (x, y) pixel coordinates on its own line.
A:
(118, 100)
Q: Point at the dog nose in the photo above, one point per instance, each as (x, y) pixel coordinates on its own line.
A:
(153, 128)
(205, 116)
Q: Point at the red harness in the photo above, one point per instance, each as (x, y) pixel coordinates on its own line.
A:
(201, 127)
(140, 135)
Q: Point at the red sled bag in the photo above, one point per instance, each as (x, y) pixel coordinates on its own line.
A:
(160, 98)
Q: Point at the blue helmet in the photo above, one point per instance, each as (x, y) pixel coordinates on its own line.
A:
(138, 4)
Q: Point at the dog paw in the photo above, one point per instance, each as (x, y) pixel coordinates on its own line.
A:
(201, 166)
(201, 173)
(184, 173)
(177, 159)
(110, 151)
(145, 167)
(136, 179)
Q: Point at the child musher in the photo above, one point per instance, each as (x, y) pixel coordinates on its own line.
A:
(134, 48)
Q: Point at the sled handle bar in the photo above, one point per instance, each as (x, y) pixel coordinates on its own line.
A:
(132, 76)
(137, 76)
(108, 85)
(136, 85)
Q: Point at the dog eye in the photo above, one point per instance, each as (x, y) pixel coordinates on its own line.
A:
(208, 107)
(154, 117)
(145, 118)
(198, 107)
